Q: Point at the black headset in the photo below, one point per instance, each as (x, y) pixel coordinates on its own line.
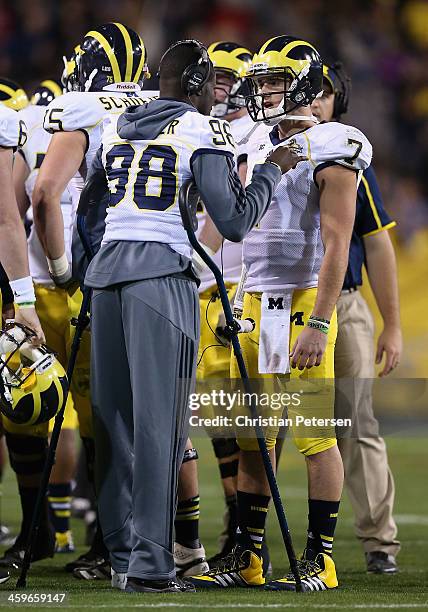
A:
(197, 74)
(342, 88)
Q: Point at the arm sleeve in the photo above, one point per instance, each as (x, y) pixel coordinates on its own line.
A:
(233, 209)
(371, 216)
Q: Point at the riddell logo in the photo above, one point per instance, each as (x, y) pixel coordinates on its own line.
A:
(125, 86)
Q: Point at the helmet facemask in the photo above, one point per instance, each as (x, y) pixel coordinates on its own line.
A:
(234, 95)
(297, 91)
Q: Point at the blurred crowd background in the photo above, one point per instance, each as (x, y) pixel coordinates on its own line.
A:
(383, 44)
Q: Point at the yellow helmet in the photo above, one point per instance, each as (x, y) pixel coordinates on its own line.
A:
(46, 92)
(233, 60)
(12, 94)
(292, 60)
(33, 384)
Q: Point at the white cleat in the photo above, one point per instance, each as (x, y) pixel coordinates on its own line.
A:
(190, 561)
(118, 580)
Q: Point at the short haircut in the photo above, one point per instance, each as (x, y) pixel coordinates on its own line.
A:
(176, 59)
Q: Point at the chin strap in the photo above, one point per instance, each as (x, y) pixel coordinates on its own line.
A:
(299, 118)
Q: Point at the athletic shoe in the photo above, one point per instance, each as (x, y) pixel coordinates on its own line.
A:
(6, 538)
(218, 559)
(100, 570)
(379, 562)
(318, 575)
(190, 561)
(64, 542)
(118, 580)
(4, 576)
(85, 560)
(240, 568)
(137, 585)
(44, 548)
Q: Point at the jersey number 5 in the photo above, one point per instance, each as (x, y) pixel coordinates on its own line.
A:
(147, 177)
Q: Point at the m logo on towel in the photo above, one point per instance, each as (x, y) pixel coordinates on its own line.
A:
(276, 303)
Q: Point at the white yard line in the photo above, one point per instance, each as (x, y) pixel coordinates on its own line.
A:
(229, 606)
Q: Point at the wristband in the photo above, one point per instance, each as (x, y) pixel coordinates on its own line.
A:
(23, 290)
(322, 325)
(58, 267)
(315, 318)
(268, 161)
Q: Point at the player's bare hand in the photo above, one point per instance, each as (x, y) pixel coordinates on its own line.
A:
(308, 349)
(389, 343)
(28, 316)
(286, 158)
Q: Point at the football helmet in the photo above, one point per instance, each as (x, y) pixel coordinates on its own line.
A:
(298, 64)
(69, 71)
(234, 61)
(340, 84)
(111, 53)
(33, 384)
(46, 92)
(12, 95)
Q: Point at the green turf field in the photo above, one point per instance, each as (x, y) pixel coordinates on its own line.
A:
(406, 591)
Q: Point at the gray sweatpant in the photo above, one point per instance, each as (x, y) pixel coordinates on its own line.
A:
(144, 345)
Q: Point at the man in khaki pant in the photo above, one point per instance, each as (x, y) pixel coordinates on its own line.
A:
(368, 478)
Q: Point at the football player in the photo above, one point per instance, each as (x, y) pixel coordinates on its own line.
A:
(145, 310)
(53, 308)
(105, 72)
(368, 477)
(231, 62)
(13, 247)
(295, 260)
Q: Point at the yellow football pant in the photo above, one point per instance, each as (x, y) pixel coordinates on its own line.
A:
(213, 357)
(315, 386)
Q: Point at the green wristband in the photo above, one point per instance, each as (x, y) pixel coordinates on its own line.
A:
(322, 327)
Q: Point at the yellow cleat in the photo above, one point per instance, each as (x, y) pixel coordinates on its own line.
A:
(240, 568)
(318, 575)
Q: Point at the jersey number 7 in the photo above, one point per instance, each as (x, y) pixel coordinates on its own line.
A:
(147, 177)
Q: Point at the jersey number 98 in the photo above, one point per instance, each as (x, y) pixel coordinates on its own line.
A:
(146, 177)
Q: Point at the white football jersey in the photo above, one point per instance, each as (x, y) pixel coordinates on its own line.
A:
(286, 250)
(85, 111)
(34, 151)
(145, 177)
(13, 131)
(229, 257)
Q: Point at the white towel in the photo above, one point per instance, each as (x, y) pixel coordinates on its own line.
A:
(275, 332)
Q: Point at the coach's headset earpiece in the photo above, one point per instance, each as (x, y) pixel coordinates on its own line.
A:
(196, 75)
(341, 84)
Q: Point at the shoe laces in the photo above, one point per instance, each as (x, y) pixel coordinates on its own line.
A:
(229, 563)
(305, 568)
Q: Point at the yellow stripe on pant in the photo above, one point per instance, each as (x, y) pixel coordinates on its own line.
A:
(317, 384)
